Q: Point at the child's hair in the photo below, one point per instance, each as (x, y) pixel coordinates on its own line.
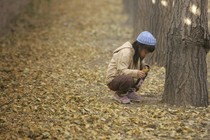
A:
(137, 46)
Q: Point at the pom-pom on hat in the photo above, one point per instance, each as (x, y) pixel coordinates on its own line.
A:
(146, 38)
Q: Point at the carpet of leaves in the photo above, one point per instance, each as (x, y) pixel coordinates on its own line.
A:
(52, 80)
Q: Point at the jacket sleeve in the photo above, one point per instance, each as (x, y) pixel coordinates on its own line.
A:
(123, 62)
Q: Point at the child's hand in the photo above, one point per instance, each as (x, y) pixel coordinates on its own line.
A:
(146, 68)
(141, 74)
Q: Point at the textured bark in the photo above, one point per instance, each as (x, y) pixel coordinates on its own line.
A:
(186, 69)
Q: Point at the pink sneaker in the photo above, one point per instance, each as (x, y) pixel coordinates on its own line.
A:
(121, 99)
(134, 97)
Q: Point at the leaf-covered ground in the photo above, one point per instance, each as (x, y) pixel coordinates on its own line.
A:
(52, 80)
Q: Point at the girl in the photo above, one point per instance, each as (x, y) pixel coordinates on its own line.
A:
(126, 67)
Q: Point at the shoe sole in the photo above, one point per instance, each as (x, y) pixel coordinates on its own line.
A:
(119, 101)
(135, 100)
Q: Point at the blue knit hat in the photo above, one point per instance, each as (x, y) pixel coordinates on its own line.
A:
(146, 38)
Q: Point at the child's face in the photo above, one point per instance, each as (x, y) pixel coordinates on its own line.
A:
(143, 53)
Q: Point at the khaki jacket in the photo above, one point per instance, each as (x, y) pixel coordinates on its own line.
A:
(122, 63)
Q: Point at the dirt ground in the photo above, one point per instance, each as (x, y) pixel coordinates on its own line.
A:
(52, 80)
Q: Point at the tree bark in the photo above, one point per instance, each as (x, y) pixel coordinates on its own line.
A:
(186, 69)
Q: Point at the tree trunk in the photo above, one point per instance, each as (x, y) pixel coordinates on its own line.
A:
(186, 69)
(9, 9)
(129, 8)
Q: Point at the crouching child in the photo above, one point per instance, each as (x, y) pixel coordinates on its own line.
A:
(126, 71)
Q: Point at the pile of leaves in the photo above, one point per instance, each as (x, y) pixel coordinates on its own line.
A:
(52, 80)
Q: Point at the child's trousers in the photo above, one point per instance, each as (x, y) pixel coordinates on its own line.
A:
(122, 84)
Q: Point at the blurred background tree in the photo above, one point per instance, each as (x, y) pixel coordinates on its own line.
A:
(10, 9)
(151, 16)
